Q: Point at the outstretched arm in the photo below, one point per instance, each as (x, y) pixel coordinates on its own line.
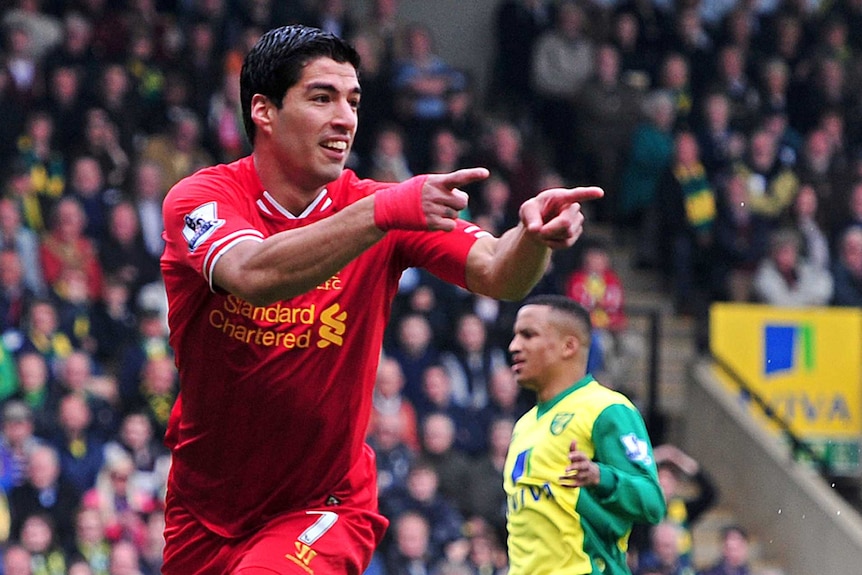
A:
(294, 261)
(508, 267)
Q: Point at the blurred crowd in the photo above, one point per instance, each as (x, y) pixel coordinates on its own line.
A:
(726, 133)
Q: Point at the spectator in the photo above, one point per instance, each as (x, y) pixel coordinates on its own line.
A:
(122, 506)
(598, 288)
(87, 185)
(771, 186)
(421, 80)
(80, 449)
(774, 86)
(137, 440)
(42, 334)
(484, 497)
(689, 38)
(414, 349)
(389, 160)
(125, 559)
(394, 457)
(334, 17)
(157, 392)
(25, 68)
(734, 553)
(785, 278)
(637, 57)
(562, 61)
(75, 50)
(77, 376)
(506, 400)
(649, 155)
(732, 80)
(203, 71)
(518, 26)
(822, 166)
(91, 545)
(147, 192)
(15, 236)
(663, 557)
(46, 166)
(509, 157)
(741, 238)
(16, 443)
(377, 91)
(674, 79)
(805, 220)
(437, 399)
(150, 343)
(447, 152)
(850, 215)
(102, 140)
(422, 496)
(152, 553)
(451, 465)
(687, 203)
(74, 307)
(608, 112)
(123, 253)
(113, 324)
(35, 390)
(471, 362)
(180, 151)
(40, 539)
(492, 206)
(15, 295)
(44, 491)
(388, 398)
(224, 130)
(847, 269)
(66, 246)
(689, 492)
(411, 552)
(66, 103)
(720, 144)
(17, 560)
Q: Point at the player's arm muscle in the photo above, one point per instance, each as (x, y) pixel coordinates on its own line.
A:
(294, 261)
(507, 267)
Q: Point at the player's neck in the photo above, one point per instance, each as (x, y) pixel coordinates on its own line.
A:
(289, 193)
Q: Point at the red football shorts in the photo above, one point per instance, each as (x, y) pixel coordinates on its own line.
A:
(327, 540)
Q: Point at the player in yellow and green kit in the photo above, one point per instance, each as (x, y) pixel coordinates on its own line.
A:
(580, 468)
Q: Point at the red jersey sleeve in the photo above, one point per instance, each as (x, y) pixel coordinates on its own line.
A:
(204, 217)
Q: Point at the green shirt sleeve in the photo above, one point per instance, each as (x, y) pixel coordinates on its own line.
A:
(628, 485)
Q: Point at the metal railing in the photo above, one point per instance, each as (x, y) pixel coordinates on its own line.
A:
(799, 449)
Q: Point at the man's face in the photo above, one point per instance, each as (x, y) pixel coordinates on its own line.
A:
(536, 348)
(314, 129)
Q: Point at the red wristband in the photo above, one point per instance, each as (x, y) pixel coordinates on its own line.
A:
(400, 207)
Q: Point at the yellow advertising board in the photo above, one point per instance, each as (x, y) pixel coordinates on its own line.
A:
(805, 363)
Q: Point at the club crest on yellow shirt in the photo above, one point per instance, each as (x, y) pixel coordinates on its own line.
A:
(560, 422)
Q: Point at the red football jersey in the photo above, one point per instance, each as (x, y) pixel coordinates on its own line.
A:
(275, 400)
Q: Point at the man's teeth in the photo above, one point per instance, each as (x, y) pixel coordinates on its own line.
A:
(336, 145)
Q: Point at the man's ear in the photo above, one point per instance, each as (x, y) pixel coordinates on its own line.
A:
(571, 345)
(261, 112)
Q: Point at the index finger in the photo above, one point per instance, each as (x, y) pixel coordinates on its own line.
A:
(579, 194)
(459, 177)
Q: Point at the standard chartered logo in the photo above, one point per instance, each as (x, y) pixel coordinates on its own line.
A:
(240, 320)
(333, 326)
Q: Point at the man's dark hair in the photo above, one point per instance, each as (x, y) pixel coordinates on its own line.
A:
(563, 304)
(275, 64)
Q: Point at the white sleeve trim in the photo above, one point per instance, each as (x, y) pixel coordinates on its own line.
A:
(219, 248)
